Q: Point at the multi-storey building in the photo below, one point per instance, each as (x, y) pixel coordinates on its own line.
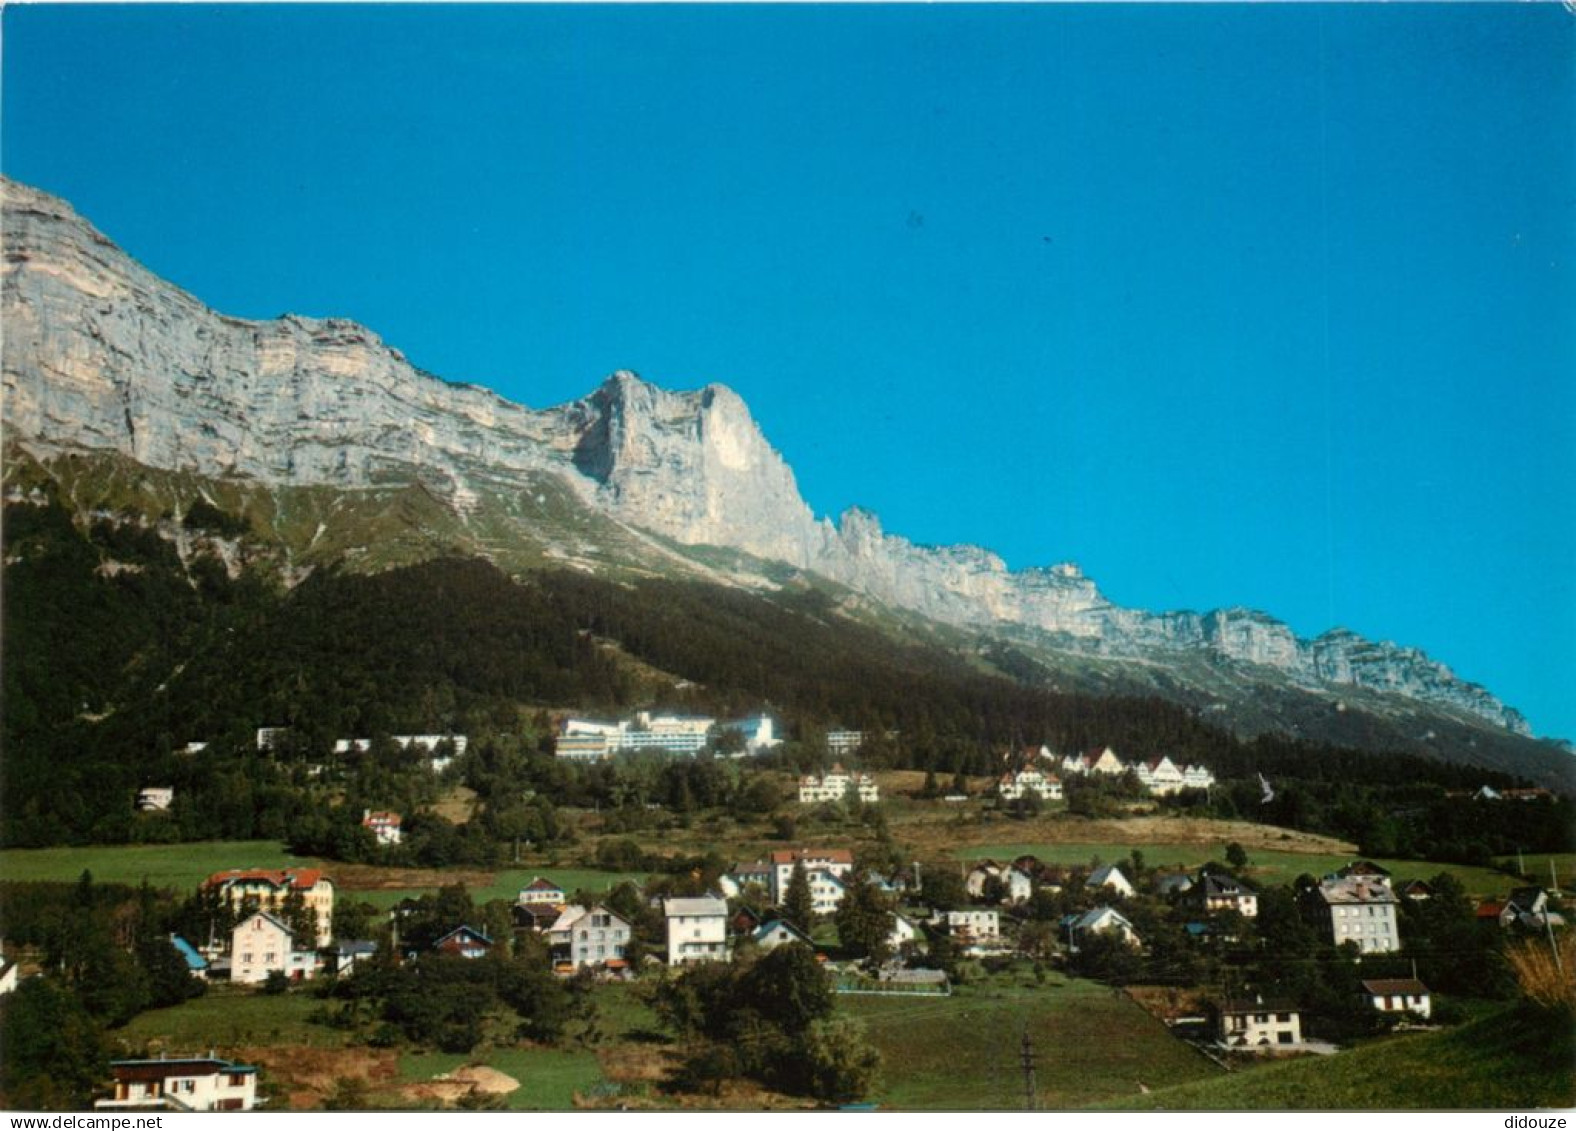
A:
(589, 936)
(1356, 910)
(266, 889)
(697, 930)
(838, 785)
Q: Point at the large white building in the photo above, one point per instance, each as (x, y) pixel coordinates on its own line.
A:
(1359, 910)
(589, 936)
(267, 889)
(838, 785)
(836, 862)
(261, 945)
(1012, 786)
(697, 929)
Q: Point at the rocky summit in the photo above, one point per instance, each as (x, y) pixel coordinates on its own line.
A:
(100, 355)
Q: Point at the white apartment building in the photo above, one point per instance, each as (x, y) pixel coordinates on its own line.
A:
(697, 930)
(1012, 786)
(838, 785)
(589, 936)
(1360, 911)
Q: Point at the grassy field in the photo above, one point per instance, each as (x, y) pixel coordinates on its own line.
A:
(1514, 1059)
(184, 866)
(1537, 865)
(162, 865)
(962, 1053)
(227, 1017)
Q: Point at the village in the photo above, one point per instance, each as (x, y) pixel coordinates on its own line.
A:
(1221, 957)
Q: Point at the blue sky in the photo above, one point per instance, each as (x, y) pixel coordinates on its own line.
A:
(1260, 305)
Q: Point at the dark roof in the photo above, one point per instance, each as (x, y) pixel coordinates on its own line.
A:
(1215, 884)
(174, 1066)
(1363, 868)
(1382, 986)
(1269, 1005)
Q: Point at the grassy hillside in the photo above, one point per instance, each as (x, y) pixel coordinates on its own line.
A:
(1516, 1058)
(1091, 1045)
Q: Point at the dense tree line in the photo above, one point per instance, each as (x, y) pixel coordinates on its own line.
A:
(117, 653)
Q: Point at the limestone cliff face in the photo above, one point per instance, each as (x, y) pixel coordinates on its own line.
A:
(101, 354)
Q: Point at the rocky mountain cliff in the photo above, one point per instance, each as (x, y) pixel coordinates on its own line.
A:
(102, 355)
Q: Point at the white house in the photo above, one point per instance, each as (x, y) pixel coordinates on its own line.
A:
(1258, 1024)
(268, 888)
(589, 936)
(182, 1084)
(842, 743)
(8, 976)
(1215, 892)
(1098, 921)
(1110, 876)
(697, 930)
(1399, 995)
(1017, 884)
(1013, 785)
(903, 931)
(826, 891)
(261, 945)
(386, 826)
(837, 861)
(155, 798)
(541, 890)
(744, 876)
(581, 748)
(1103, 760)
(1360, 911)
(972, 926)
(776, 932)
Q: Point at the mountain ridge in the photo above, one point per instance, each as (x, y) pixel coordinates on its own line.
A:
(102, 355)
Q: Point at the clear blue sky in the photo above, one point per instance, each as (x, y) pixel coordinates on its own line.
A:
(1261, 305)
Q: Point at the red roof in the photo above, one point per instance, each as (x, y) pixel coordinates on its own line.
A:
(381, 819)
(541, 883)
(794, 855)
(303, 879)
(1490, 910)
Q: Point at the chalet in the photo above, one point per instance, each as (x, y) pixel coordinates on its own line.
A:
(1217, 892)
(1098, 921)
(182, 1084)
(155, 798)
(1197, 777)
(1014, 785)
(1258, 1024)
(385, 826)
(537, 918)
(697, 930)
(589, 937)
(1356, 910)
(1016, 884)
(745, 876)
(269, 888)
(1398, 995)
(837, 862)
(778, 932)
(541, 891)
(1160, 776)
(838, 785)
(1529, 908)
(1110, 876)
(463, 942)
(1099, 760)
(262, 945)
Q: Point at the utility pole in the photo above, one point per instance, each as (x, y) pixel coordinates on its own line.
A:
(1026, 1059)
